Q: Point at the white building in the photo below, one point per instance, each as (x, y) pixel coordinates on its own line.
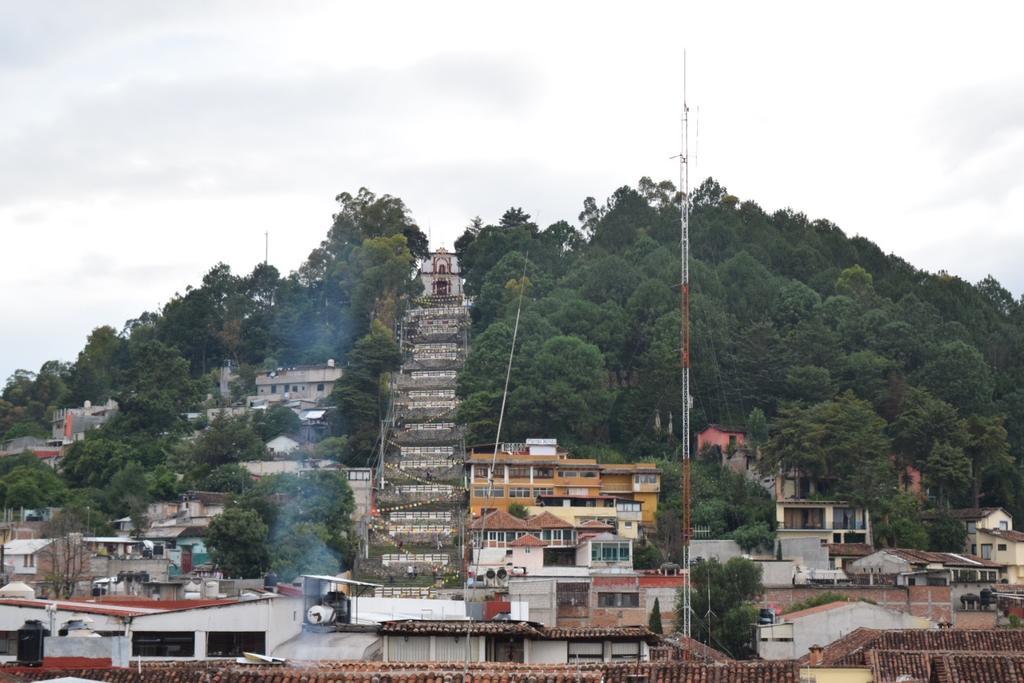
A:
(793, 637)
(440, 274)
(303, 382)
(176, 630)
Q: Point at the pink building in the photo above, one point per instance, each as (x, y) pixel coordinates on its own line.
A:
(725, 438)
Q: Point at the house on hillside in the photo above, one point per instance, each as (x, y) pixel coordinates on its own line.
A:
(282, 445)
(303, 382)
(725, 439)
(803, 509)
(1005, 547)
(974, 519)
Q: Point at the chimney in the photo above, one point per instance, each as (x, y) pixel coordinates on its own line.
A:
(815, 658)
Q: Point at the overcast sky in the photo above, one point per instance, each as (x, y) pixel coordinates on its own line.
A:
(142, 142)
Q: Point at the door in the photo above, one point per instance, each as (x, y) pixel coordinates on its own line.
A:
(186, 559)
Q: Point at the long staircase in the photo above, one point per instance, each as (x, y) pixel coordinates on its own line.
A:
(414, 540)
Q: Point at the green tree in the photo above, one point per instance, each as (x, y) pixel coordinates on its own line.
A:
(238, 542)
(841, 441)
(518, 510)
(899, 525)
(275, 421)
(654, 621)
(948, 469)
(733, 587)
(227, 440)
(946, 534)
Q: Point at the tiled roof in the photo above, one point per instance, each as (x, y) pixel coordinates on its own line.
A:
(946, 559)
(528, 541)
(890, 666)
(499, 520)
(430, 672)
(455, 628)
(850, 650)
(965, 514)
(690, 649)
(601, 633)
(977, 668)
(850, 549)
(595, 524)
(546, 520)
(1008, 534)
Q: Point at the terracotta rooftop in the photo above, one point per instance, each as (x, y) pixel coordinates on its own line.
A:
(850, 549)
(429, 672)
(528, 541)
(499, 520)
(851, 650)
(516, 628)
(1008, 534)
(546, 520)
(965, 514)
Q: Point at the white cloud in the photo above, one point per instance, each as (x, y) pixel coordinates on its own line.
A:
(141, 144)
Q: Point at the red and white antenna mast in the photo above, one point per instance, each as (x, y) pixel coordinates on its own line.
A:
(684, 351)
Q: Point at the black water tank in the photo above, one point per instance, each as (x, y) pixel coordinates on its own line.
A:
(343, 610)
(270, 582)
(30, 643)
(987, 595)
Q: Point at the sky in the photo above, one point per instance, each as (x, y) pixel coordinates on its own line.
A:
(143, 142)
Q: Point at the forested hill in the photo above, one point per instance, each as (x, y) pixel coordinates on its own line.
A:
(853, 356)
(854, 362)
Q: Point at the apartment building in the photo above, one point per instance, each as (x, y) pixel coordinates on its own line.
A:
(539, 472)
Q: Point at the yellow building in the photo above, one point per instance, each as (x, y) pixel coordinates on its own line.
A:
(1004, 546)
(539, 472)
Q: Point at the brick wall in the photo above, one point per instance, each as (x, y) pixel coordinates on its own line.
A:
(930, 602)
(975, 619)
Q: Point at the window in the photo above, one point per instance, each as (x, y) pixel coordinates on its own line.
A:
(543, 492)
(234, 643)
(609, 552)
(30, 560)
(618, 599)
(8, 642)
(626, 651)
(359, 475)
(518, 472)
(572, 595)
(986, 551)
(483, 492)
(518, 492)
(576, 491)
(543, 473)
(273, 388)
(972, 527)
(570, 473)
(163, 644)
(628, 507)
(645, 478)
(586, 652)
(1001, 546)
(974, 549)
(320, 387)
(588, 474)
(1004, 525)
(295, 387)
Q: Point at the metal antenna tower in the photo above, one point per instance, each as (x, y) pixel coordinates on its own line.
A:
(684, 351)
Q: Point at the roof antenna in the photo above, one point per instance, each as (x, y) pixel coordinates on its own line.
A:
(684, 352)
(266, 247)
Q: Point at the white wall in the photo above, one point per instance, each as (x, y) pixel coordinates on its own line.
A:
(830, 625)
(547, 652)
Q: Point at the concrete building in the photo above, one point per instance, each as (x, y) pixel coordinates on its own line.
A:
(1005, 547)
(726, 439)
(441, 275)
(803, 510)
(794, 634)
(522, 642)
(177, 630)
(71, 424)
(304, 382)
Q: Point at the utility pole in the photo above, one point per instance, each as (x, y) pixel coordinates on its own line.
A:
(684, 351)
